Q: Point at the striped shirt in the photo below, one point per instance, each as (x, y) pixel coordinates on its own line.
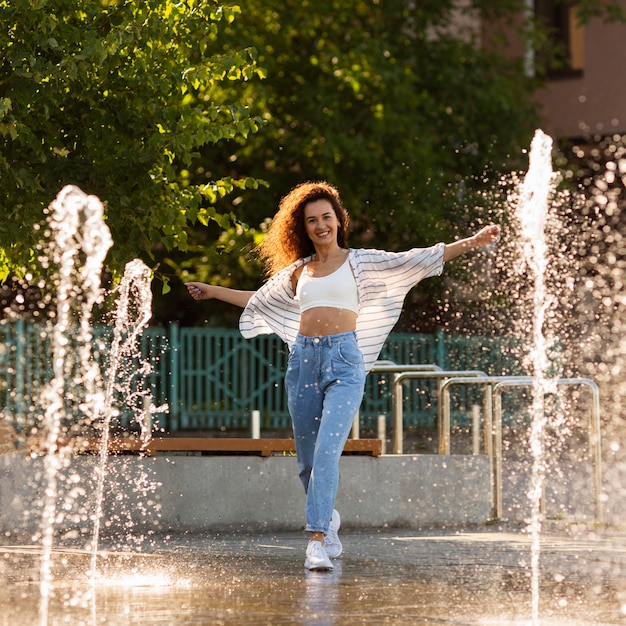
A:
(383, 281)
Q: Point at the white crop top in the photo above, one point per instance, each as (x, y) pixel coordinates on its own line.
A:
(336, 290)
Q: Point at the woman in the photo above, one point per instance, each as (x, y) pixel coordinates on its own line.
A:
(334, 306)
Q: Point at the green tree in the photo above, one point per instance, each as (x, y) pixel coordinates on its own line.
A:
(116, 97)
(387, 101)
(409, 115)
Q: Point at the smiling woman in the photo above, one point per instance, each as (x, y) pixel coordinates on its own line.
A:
(325, 287)
(334, 306)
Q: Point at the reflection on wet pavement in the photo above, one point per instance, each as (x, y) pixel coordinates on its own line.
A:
(479, 577)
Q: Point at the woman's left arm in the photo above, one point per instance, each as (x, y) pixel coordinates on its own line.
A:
(485, 236)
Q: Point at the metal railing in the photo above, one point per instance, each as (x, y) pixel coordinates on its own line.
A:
(385, 366)
(408, 372)
(493, 420)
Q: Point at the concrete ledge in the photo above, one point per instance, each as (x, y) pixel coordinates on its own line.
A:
(200, 493)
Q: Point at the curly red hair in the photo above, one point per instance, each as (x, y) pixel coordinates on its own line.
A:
(286, 240)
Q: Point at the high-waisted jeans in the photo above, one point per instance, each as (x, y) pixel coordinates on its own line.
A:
(324, 382)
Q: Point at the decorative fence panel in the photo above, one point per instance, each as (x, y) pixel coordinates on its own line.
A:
(222, 377)
(212, 379)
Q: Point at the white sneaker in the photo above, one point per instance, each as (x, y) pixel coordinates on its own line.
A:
(331, 540)
(316, 557)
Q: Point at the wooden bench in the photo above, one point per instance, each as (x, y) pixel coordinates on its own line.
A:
(204, 445)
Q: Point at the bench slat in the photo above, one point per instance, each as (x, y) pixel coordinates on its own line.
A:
(225, 445)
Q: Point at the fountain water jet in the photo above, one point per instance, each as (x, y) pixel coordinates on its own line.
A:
(77, 227)
(133, 312)
(79, 243)
(532, 211)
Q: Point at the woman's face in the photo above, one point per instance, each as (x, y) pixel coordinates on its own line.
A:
(321, 223)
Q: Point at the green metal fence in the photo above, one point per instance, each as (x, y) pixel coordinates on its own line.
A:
(213, 379)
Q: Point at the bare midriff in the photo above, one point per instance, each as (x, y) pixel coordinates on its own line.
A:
(326, 320)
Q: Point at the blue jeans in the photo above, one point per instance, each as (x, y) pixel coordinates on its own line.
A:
(324, 382)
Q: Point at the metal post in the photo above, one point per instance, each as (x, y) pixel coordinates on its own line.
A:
(497, 452)
(475, 429)
(255, 424)
(382, 431)
(595, 449)
(398, 415)
(488, 442)
(488, 420)
(443, 424)
(356, 431)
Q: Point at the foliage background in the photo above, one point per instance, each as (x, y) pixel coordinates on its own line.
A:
(191, 119)
(115, 97)
(409, 117)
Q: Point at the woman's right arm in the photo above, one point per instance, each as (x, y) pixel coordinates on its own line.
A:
(202, 291)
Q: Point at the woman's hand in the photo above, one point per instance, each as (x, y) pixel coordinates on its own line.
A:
(485, 236)
(488, 234)
(202, 291)
(199, 291)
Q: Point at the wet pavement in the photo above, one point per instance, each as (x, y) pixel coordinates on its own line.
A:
(476, 576)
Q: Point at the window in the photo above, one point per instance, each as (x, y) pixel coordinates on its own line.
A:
(564, 55)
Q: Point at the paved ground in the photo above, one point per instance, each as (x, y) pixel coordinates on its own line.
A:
(479, 576)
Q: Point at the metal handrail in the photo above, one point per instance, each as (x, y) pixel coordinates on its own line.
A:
(595, 446)
(391, 367)
(493, 429)
(396, 401)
